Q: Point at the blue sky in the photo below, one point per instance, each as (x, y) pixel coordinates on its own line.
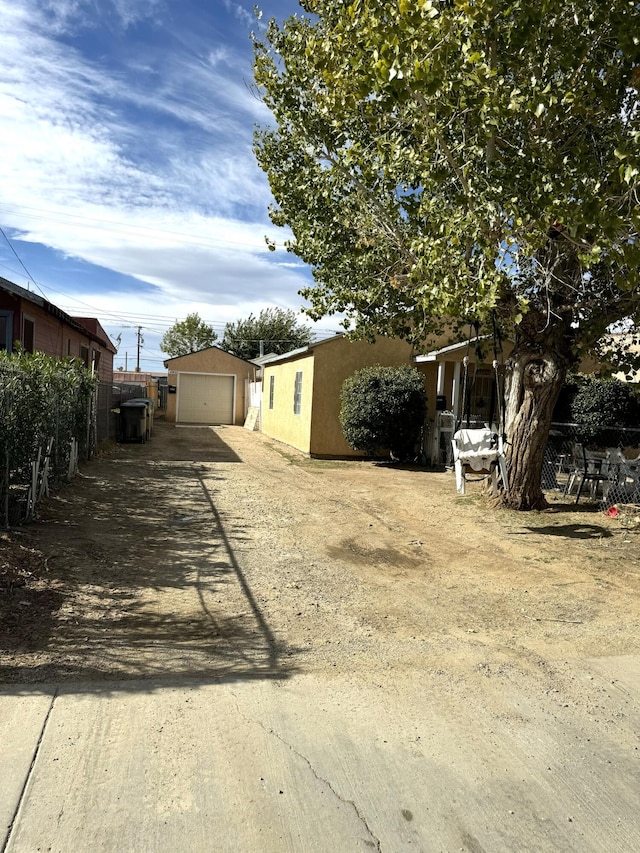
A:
(128, 187)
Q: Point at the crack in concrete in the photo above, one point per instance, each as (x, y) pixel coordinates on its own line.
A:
(23, 791)
(361, 817)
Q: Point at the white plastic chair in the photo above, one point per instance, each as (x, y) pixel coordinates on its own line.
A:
(479, 452)
(624, 478)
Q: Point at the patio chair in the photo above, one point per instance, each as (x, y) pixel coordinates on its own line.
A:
(624, 478)
(586, 469)
(479, 453)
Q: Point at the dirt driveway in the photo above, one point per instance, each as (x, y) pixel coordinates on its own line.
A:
(219, 552)
(448, 676)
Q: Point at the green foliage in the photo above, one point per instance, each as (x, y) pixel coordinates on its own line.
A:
(442, 159)
(383, 408)
(185, 336)
(41, 398)
(276, 328)
(599, 405)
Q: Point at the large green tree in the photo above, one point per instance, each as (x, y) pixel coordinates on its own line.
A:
(446, 160)
(276, 330)
(189, 335)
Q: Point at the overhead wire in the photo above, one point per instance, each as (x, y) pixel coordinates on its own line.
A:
(124, 227)
(31, 278)
(20, 261)
(160, 322)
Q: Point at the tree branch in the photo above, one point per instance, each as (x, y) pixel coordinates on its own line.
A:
(442, 142)
(374, 202)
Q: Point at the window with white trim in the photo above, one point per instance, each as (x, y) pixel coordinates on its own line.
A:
(272, 385)
(297, 393)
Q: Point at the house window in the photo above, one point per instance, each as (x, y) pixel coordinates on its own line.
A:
(297, 393)
(6, 330)
(28, 334)
(96, 361)
(84, 355)
(272, 384)
(68, 346)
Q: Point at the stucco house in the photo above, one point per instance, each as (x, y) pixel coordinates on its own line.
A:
(301, 391)
(208, 387)
(38, 325)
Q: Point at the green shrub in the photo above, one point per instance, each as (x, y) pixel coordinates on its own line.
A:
(383, 408)
(601, 404)
(41, 398)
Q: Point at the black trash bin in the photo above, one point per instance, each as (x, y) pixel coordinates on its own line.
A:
(148, 401)
(133, 421)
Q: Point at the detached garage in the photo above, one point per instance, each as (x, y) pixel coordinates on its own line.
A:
(208, 387)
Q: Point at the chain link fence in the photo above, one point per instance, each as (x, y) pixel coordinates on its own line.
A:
(608, 473)
(109, 397)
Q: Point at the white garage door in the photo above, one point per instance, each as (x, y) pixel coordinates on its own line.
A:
(205, 399)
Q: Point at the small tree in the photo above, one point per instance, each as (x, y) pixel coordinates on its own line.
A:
(383, 407)
(276, 328)
(185, 336)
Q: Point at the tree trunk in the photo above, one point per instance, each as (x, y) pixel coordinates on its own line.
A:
(535, 374)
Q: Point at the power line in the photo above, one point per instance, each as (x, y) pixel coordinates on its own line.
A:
(29, 276)
(124, 227)
(11, 270)
(10, 244)
(159, 322)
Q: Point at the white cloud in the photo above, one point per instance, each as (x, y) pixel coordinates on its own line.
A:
(219, 55)
(144, 167)
(64, 16)
(240, 13)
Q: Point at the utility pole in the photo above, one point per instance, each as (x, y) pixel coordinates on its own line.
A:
(140, 342)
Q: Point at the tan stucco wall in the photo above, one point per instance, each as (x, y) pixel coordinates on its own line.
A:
(170, 411)
(335, 361)
(211, 360)
(280, 422)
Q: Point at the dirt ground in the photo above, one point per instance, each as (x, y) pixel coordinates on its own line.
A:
(448, 676)
(218, 552)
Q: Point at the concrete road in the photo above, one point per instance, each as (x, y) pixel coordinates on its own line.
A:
(313, 765)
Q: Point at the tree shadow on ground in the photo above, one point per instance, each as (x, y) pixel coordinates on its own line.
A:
(573, 531)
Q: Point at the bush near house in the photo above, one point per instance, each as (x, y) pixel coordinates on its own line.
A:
(598, 405)
(383, 408)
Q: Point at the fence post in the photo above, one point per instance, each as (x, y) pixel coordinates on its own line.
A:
(6, 488)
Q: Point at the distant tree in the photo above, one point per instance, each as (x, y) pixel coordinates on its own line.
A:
(276, 328)
(187, 336)
(383, 408)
